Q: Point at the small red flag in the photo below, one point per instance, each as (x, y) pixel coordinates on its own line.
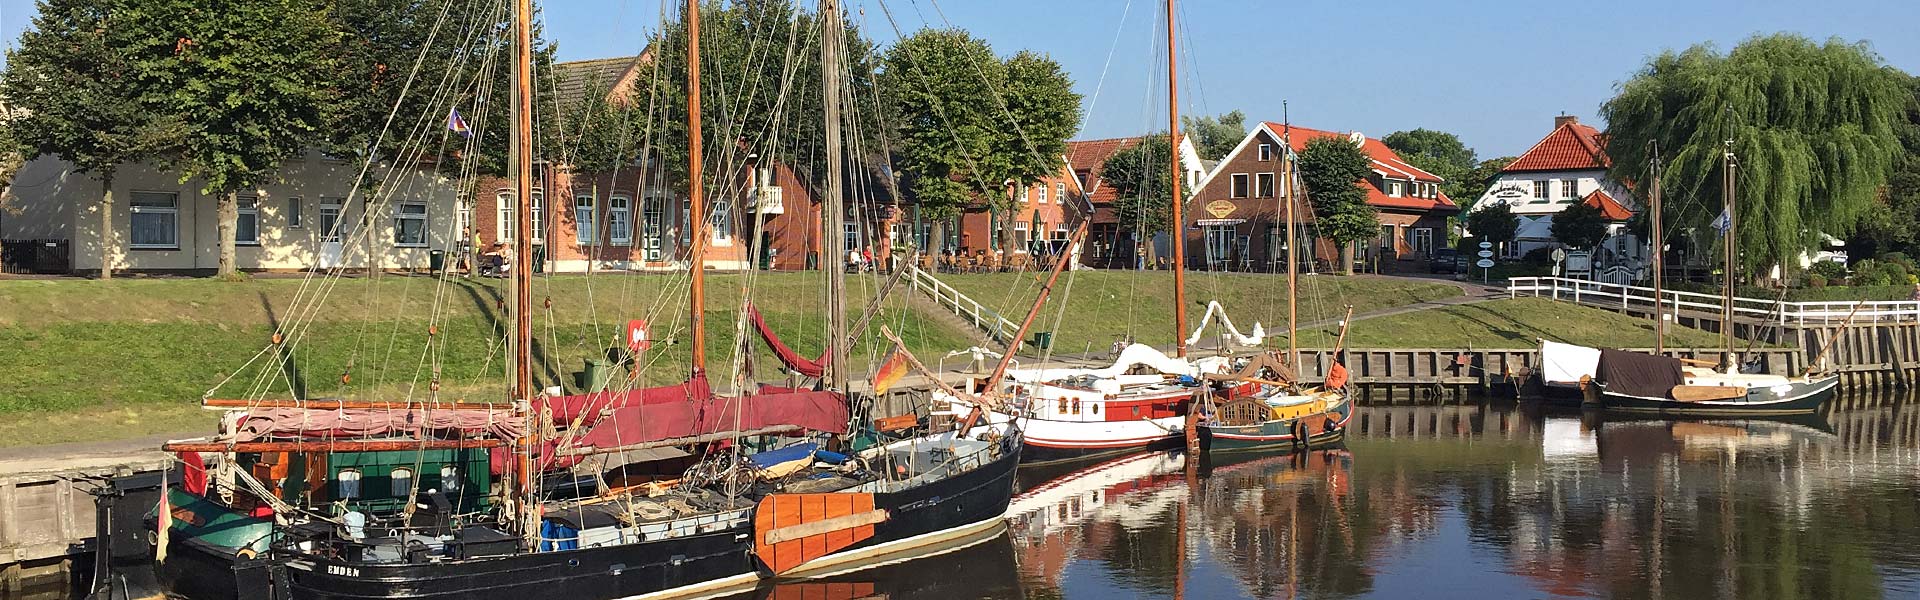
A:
(1337, 376)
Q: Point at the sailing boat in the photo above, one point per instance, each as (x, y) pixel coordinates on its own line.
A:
(337, 499)
(1636, 382)
(1280, 414)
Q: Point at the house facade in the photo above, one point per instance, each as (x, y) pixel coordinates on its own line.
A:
(1043, 218)
(1110, 245)
(1237, 223)
(308, 215)
(1565, 168)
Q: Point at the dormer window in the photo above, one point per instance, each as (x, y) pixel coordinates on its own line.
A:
(1266, 152)
(1393, 189)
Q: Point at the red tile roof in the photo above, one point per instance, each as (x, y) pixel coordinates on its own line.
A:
(1610, 208)
(1091, 156)
(1571, 146)
(1385, 161)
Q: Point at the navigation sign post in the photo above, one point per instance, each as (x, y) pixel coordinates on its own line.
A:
(1486, 262)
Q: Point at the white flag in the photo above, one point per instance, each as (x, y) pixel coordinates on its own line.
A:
(1723, 222)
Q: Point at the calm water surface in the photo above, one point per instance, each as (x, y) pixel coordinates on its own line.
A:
(1466, 502)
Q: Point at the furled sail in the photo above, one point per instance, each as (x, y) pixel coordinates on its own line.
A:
(645, 425)
(793, 360)
(285, 423)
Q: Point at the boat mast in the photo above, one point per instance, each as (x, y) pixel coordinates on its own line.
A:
(696, 204)
(523, 243)
(1659, 263)
(1293, 290)
(1733, 254)
(831, 206)
(1178, 237)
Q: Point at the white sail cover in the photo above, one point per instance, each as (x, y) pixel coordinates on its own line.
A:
(1567, 363)
(1133, 355)
(1259, 334)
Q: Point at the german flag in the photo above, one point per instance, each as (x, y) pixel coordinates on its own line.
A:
(891, 370)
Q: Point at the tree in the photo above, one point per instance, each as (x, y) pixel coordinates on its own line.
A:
(1493, 223)
(252, 83)
(71, 93)
(1890, 225)
(1139, 176)
(1580, 226)
(1814, 127)
(1334, 171)
(1479, 179)
(1439, 153)
(1044, 112)
(1215, 137)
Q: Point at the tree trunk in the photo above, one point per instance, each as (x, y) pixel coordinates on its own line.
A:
(1346, 258)
(1006, 234)
(106, 225)
(938, 245)
(227, 223)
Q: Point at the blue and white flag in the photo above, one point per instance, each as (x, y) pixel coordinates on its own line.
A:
(457, 124)
(1723, 222)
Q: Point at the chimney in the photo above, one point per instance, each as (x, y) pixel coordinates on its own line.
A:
(1563, 120)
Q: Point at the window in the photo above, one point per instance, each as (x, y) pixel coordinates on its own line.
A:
(1263, 185)
(1239, 187)
(1393, 189)
(1022, 238)
(1059, 193)
(539, 219)
(1386, 238)
(503, 227)
(1539, 191)
(849, 236)
(295, 219)
(410, 224)
(1219, 240)
(400, 482)
(722, 222)
(619, 221)
(1421, 238)
(1570, 189)
(156, 220)
(653, 225)
(246, 230)
(583, 219)
(330, 219)
(1266, 152)
(1043, 193)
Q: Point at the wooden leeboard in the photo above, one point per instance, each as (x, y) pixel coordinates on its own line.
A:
(811, 590)
(1699, 393)
(791, 529)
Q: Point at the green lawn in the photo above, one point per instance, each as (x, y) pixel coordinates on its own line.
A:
(1514, 323)
(1106, 305)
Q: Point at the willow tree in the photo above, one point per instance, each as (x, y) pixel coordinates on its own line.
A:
(1813, 126)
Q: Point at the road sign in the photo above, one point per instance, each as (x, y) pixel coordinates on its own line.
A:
(1559, 255)
(1485, 245)
(1485, 263)
(1486, 254)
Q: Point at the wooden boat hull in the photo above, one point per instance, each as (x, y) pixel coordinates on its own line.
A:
(1312, 431)
(1063, 441)
(706, 564)
(1794, 398)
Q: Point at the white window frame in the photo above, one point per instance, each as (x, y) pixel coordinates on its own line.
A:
(1393, 188)
(247, 207)
(334, 209)
(1239, 185)
(1421, 238)
(1266, 152)
(653, 228)
(1540, 191)
(296, 214)
(586, 217)
(1059, 193)
(1043, 193)
(1263, 185)
(503, 207)
(722, 223)
(849, 236)
(135, 210)
(1022, 237)
(538, 218)
(619, 219)
(1570, 188)
(401, 215)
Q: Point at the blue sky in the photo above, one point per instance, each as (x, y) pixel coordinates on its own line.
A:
(1494, 71)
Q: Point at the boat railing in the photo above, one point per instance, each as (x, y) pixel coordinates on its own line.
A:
(1798, 314)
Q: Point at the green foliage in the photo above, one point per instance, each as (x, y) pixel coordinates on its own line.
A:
(1480, 178)
(1871, 272)
(1439, 153)
(1493, 224)
(1214, 137)
(1333, 171)
(1045, 112)
(939, 85)
(1816, 281)
(1138, 175)
(1830, 270)
(1891, 222)
(1814, 126)
(1580, 226)
(72, 91)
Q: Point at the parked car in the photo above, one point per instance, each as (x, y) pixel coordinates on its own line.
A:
(1445, 260)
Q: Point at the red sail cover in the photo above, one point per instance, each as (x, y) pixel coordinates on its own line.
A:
(793, 360)
(648, 423)
(565, 408)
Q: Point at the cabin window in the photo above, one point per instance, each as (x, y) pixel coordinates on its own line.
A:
(246, 230)
(349, 480)
(1063, 406)
(1094, 408)
(1239, 187)
(449, 479)
(1076, 406)
(402, 481)
(156, 219)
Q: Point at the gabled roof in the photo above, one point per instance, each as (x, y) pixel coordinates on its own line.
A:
(1091, 156)
(577, 81)
(1386, 162)
(1571, 147)
(1609, 208)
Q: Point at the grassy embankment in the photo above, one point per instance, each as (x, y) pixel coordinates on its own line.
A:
(1516, 323)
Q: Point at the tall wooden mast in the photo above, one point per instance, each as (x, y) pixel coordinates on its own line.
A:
(1293, 289)
(696, 200)
(523, 250)
(1733, 253)
(832, 208)
(1179, 226)
(1659, 262)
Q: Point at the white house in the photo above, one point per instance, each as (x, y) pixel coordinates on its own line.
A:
(1567, 167)
(161, 223)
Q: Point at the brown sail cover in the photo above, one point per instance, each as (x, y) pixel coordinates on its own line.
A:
(564, 409)
(1637, 374)
(650, 423)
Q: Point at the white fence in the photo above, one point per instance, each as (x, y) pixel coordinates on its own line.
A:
(1614, 295)
(996, 326)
